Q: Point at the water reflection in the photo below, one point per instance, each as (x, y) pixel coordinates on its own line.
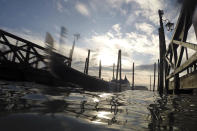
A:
(174, 113)
(129, 110)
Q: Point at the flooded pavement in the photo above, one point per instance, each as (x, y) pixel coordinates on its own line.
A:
(34, 107)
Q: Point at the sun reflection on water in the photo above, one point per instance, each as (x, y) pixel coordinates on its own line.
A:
(103, 114)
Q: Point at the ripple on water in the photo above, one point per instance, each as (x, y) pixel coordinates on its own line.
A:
(63, 109)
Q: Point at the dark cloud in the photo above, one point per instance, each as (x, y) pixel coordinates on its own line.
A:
(78, 62)
(179, 1)
(146, 67)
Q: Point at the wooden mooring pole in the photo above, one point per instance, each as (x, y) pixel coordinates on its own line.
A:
(113, 72)
(158, 76)
(100, 69)
(85, 66)
(150, 82)
(133, 78)
(119, 71)
(117, 68)
(154, 77)
(87, 63)
(162, 49)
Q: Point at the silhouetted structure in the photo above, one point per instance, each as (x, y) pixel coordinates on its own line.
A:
(26, 61)
(174, 59)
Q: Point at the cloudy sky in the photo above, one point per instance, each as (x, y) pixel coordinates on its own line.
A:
(105, 27)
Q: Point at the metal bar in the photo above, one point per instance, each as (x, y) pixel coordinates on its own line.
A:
(11, 47)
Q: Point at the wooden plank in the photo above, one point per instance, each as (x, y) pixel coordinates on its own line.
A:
(186, 82)
(180, 57)
(170, 63)
(186, 44)
(189, 62)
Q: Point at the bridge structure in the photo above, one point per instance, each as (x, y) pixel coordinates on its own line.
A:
(21, 59)
(179, 73)
(18, 50)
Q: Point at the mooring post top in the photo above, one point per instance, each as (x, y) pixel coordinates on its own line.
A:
(160, 12)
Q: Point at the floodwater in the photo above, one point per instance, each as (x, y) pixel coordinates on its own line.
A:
(26, 106)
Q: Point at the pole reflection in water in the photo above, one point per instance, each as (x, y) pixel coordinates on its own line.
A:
(29, 106)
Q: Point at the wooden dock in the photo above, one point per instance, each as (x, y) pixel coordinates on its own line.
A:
(175, 73)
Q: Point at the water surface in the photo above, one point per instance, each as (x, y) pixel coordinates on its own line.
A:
(29, 106)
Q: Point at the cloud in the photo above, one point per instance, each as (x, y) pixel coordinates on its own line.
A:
(149, 67)
(59, 6)
(144, 27)
(82, 9)
(116, 27)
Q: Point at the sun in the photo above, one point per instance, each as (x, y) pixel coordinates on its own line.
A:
(107, 58)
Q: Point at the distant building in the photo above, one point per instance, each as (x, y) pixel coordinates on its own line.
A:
(125, 85)
(140, 88)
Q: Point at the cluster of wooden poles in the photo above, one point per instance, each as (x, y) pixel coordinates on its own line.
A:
(119, 71)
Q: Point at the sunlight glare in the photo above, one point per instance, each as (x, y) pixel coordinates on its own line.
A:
(103, 114)
(107, 57)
